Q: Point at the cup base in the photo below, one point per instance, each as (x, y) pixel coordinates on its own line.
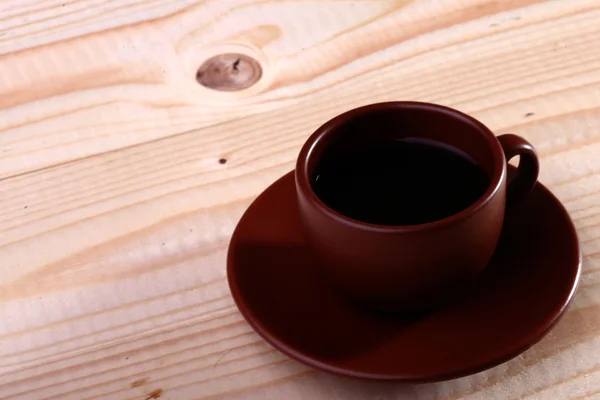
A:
(402, 308)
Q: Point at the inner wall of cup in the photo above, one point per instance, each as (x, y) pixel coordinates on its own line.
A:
(457, 131)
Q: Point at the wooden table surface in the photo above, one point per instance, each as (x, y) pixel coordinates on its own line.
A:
(122, 178)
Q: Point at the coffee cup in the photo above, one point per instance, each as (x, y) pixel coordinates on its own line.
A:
(403, 203)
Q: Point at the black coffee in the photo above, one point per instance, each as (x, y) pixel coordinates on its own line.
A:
(404, 182)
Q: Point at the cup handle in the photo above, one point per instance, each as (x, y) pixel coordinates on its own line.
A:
(527, 173)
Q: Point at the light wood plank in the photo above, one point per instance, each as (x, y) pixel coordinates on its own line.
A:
(115, 212)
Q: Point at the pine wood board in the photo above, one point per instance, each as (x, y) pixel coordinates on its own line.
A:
(116, 212)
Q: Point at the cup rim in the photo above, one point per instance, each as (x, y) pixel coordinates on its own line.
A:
(331, 127)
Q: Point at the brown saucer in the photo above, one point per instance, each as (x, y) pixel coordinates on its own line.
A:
(520, 296)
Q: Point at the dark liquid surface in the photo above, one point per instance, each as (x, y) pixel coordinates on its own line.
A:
(403, 182)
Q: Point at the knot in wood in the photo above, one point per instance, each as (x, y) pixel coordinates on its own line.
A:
(229, 72)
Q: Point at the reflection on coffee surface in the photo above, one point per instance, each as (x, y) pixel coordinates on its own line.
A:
(402, 182)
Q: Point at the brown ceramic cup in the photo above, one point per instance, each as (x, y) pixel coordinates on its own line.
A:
(411, 268)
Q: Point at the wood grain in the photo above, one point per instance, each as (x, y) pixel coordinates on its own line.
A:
(121, 178)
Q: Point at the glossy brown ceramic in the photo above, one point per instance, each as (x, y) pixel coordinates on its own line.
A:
(527, 286)
(410, 268)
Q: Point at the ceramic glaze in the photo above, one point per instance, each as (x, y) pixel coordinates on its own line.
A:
(414, 268)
